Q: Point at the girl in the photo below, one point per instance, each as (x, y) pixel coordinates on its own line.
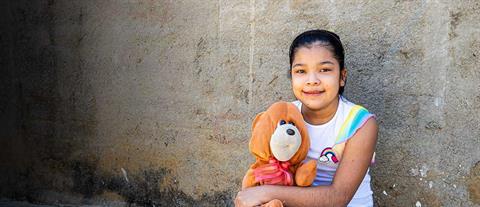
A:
(343, 135)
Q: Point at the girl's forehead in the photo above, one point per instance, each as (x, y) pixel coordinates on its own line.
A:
(313, 53)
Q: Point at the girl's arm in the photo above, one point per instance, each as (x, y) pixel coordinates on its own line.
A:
(356, 159)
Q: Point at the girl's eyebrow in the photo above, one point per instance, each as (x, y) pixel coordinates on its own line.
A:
(320, 63)
(298, 64)
(325, 62)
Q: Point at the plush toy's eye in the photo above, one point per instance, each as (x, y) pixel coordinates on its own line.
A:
(282, 122)
(292, 123)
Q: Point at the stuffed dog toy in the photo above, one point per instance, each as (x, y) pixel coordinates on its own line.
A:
(279, 143)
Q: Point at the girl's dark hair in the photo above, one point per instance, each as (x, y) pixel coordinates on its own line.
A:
(329, 40)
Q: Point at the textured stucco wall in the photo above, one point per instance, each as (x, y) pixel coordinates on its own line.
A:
(150, 102)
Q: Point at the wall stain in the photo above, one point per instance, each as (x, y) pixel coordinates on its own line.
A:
(148, 187)
(169, 137)
(220, 138)
(273, 79)
(242, 94)
(433, 125)
(454, 21)
(200, 52)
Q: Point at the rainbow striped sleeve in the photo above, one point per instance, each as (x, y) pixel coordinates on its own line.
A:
(355, 120)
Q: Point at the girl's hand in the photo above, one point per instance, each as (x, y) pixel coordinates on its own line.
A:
(253, 196)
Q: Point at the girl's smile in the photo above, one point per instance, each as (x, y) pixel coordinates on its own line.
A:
(312, 92)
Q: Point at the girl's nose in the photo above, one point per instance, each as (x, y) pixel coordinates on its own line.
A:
(313, 79)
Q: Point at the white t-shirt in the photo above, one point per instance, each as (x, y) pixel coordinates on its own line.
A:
(324, 137)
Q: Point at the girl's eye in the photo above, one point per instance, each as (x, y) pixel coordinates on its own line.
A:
(325, 70)
(291, 123)
(300, 71)
(282, 122)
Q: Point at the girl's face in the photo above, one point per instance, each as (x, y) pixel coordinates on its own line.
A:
(316, 77)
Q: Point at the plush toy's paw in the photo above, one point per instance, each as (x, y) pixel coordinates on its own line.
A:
(273, 203)
(306, 173)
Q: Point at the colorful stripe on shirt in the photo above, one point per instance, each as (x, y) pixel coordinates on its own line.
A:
(355, 119)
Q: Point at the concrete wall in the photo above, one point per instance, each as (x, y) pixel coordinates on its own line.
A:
(150, 102)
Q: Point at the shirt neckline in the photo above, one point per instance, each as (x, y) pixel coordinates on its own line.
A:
(330, 122)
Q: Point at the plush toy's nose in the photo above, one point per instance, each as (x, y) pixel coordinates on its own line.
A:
(290, 132)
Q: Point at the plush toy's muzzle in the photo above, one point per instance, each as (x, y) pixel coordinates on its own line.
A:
(285, 141)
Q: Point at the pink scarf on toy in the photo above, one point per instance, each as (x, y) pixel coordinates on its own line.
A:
(273, 173)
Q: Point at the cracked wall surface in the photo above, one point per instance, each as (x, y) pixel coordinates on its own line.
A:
(150, 102)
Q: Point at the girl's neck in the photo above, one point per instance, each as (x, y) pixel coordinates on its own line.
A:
(320, 116)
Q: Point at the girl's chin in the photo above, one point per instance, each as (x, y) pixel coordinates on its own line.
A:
(313, 106)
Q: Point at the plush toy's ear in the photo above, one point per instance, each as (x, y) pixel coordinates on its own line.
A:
(262, 130)
(256, 120)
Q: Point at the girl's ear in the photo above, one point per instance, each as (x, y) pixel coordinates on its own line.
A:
(343, 77)
(289, 73)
